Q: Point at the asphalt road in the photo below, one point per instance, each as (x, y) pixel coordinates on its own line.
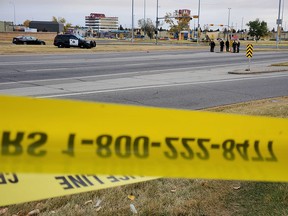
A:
(178, 79)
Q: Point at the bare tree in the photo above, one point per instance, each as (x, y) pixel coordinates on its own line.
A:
(63, 21)
(147, 26)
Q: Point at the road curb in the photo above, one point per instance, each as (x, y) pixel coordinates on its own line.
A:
(268, 69)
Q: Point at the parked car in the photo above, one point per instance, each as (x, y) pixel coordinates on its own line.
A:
(70, 40)
(193, 39)
(27, 40)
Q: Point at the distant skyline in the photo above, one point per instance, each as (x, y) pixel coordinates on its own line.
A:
(211, 11)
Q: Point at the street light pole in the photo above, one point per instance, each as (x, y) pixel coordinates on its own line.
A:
(144, 18)
(132, 40)
(157, 21)
(198, 24)
(279, 21)
(228, 23)
(14, 12)
(282, 17)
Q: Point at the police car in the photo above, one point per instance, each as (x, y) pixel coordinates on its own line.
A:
(69, 40)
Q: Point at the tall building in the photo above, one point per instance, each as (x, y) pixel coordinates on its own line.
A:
(100, 23)
(184, 12)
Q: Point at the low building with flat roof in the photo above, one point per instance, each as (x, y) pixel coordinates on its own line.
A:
(47, 26)
(6, 26)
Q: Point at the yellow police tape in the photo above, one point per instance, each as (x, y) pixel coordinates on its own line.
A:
(18, 188)
(62, 136)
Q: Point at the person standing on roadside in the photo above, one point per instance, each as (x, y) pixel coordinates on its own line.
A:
(238, 46)
(227, 46)
(231, 45)
(212, 46)
(234, 45)
(221, 46)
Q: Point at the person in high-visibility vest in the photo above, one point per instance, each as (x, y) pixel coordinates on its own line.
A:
(230, 45)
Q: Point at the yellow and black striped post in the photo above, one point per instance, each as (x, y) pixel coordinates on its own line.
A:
(249, 53)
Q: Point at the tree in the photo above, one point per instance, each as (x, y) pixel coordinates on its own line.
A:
(63, 21)
(181, 25)
(121, 28)
(59, 19)
(147, 26)
(26, 23)
(67, 26)
(257, 29)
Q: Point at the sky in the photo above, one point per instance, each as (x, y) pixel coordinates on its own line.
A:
(211, 11)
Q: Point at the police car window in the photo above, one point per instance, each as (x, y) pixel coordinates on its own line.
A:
(79, 37)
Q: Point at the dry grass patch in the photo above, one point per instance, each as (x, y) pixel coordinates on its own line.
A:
(8, 49)
(281, 64)
(274, 107)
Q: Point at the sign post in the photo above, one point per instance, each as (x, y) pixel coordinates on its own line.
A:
(249, 54)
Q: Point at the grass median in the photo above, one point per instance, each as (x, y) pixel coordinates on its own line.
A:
(181, 196)
(7, 48)
(281, 64)
(50, 49)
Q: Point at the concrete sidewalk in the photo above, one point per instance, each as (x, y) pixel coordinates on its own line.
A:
(260, 69)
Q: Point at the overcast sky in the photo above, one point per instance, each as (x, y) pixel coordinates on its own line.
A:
(212, 11)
